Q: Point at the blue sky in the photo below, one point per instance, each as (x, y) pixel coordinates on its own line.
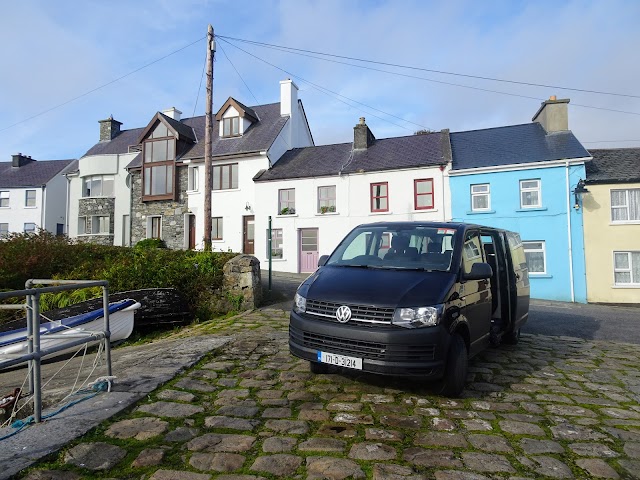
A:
(54, 51)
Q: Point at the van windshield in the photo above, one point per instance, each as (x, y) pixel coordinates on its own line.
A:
(409, 248)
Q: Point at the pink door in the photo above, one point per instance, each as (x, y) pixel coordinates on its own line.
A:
(308, 250)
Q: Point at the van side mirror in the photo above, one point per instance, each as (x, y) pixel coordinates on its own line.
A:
(479, 271)
(322, 260)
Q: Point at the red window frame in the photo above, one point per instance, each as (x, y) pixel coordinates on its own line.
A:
(416, 194)
(374, 197)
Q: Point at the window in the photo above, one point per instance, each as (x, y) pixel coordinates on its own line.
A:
(98, 186)
(193, 179)
(29, 228)
(626, 268)
(423, 194)
(535, 254)
(625, 205)
(287, 201)
(159, 153)
(380, 197)
(82, 226)
(4, 199)
(471, 250)
(231, 127)
(4, 230)
(225, 177)
(276, 243)
(327, 199)
(480, 197)
(530, 194)
(216, 228)
(30, 198)
(154, 227)
(100, 225)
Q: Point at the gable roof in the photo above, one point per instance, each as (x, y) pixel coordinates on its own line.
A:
(512, 145)
(614, 165)
(384, 154)
(258, 137)
(35, 173)
(242, 109)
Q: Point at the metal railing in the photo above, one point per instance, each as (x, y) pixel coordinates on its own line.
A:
(34, 353)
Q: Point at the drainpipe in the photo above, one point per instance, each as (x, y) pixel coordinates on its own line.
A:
(66, 213)
(43, 212)
(568, 196)
(444, 207)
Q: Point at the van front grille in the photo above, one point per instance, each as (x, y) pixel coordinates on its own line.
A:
(360, 314)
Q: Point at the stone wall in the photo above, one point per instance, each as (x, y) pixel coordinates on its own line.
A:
(242, 285)
(98, 206)
(172, 212)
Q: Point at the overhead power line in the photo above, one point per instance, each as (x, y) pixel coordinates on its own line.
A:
(443, 72)
(234, 67)
(102, 86)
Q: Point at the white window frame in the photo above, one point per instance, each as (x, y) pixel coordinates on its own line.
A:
(626, 207)
(5, 198)
(102, 181)
(536, 250)
(481, 194)
(194, 180)
(150, 226)
(524, 190)
(31, 230)
(4, 231)
(26, 198)
(625, 270)
(100, 221)
(82, 221)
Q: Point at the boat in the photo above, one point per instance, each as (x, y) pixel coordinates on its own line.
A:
(14, 342)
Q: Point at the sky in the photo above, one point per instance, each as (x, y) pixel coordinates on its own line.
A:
(54, 52)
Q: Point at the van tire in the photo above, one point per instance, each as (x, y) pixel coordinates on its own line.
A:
(455, 373)
(512, 338)
(318, 368)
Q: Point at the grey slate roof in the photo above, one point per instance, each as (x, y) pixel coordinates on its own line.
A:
(514, 144)
(614, 165)
(385, 154)
(182, 129)
(33, 174)
(258, 137)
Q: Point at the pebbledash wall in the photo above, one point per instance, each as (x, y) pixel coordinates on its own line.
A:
(173, 213)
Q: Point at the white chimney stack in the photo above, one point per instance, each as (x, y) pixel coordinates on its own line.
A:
(172, 112)
(288, 97)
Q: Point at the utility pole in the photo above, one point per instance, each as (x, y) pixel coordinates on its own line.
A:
(208, 139)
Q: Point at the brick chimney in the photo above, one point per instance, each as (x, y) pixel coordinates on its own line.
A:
(362, 136)
(173, 112)
(18, 160)
(109, 129)
(553, 115)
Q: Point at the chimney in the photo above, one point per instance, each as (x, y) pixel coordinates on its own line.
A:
(362, 136)
(109, 129)
(172, 112)
(553, 115)
(18, 160)
(288, 97)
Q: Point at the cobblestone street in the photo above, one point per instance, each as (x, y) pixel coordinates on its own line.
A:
(550, 407)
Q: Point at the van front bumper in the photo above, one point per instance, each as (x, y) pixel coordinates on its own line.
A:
(383, 350)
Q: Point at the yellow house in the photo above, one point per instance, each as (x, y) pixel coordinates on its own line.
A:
(611, 210)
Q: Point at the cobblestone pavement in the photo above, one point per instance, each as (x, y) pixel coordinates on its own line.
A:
(551, 407)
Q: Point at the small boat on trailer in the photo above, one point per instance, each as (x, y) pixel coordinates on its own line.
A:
(14, 342)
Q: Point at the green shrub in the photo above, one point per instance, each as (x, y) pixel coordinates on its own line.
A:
(148, 243)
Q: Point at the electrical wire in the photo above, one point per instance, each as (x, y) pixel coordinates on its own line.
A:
(101, 86)
(234, 67)
(204, 65)
(410, 67)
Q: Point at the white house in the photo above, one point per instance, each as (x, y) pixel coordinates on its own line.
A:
(162, 166)
(33, 195)
(315, 195)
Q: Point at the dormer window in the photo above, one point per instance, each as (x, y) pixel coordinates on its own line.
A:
(159, 154)
(231, 127)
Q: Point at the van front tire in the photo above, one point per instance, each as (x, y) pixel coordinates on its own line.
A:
(455, 373)
(512, 338)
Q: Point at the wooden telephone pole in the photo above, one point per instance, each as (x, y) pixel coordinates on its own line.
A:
(208, 138)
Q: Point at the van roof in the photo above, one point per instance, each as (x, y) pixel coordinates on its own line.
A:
(409, 224)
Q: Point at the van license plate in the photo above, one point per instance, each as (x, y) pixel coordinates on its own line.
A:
(340, 360)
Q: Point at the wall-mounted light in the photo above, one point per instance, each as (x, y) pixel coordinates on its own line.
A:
(247, 207)
(578, 192)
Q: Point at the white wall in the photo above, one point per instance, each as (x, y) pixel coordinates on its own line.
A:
(16, 215)
(352, 208)
(55, 203)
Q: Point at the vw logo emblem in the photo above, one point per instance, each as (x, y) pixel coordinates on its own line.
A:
(343, 314)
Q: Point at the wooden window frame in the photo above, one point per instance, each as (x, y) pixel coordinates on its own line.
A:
(148, 165)
(274, 236)
(281, 206)
(221, 176)
(332, 206)
(229, 121)
(150, 229)
(372, 197)
(217, 226)
(416, 194)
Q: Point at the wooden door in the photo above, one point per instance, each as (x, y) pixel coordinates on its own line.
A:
(308, 250)
(248, 234)
(192, 232)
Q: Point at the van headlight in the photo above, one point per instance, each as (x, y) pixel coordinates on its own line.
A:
(299, 303)
(417, 317)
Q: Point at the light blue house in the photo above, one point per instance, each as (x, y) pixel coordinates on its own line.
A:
(522, 178)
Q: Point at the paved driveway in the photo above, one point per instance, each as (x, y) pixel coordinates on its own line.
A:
(551, 407)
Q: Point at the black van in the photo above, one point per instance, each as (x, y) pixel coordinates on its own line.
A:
(412, 299)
